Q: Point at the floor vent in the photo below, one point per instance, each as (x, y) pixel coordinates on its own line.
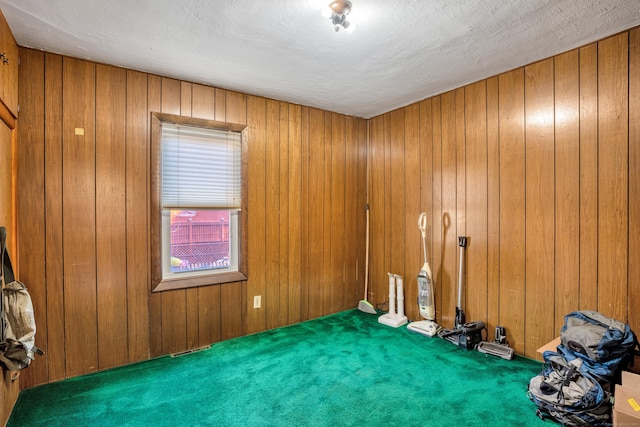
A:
(193, 350)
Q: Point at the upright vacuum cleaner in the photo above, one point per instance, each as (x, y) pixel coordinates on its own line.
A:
(426, 303)
(464, 335)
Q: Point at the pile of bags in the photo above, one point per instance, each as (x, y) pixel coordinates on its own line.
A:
(576, 383)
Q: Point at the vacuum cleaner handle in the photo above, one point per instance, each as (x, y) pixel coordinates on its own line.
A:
(460, 317)
(462, 242)
(422, 224)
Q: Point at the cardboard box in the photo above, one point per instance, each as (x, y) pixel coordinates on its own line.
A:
(551, 346)
(626, 408)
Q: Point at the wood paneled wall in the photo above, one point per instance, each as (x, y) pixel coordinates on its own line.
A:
(9, 382)
(83, 208)
(540, 168)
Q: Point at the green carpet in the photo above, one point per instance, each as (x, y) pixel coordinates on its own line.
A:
(340, 370)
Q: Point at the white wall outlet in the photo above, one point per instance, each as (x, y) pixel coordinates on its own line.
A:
(257, 301)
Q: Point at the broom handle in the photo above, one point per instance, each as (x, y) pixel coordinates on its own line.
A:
(366, 256)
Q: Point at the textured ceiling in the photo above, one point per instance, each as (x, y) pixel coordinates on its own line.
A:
(401, 52)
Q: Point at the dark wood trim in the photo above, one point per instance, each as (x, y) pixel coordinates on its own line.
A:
(158, 284)
(192, 282)
(7, 116)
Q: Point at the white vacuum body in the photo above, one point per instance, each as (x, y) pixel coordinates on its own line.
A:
(426, 302)
(425, 294)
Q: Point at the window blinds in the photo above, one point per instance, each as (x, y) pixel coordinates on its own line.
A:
(201, 168)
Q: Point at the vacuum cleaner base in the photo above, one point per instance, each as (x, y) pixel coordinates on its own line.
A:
(495, 349)
(466, 336)
(393, 320)
(424, 327)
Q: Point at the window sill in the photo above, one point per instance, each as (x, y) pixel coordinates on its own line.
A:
(205, 280)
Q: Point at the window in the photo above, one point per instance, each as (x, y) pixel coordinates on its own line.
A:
(197, 202)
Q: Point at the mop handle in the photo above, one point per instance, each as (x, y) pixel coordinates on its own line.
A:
(462, 242)
(422, 225)
(366, 257)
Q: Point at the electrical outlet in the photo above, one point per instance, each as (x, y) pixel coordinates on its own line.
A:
(257, 301)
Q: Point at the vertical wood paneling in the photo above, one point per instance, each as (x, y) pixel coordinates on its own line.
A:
(7, 191)
(110, 223)
(613, 175)
(460, 189)
(459, 156)
(54, 331)
(112, 169)
(413, 239)
(193, 307)
(476, 198)
(79, 216)
(356, 135)
(397, 197)
(377, 264)
(235, 107)
(29, 229)
(154, 103)
(540, 165)
(319, 290)
(174, 303)
(256, 114)
(221, 104)
(350, 220)
(272, 215)
(512, 206)
(386, 214)
(229, 313)
(305, 261)
(232, 305)
(205, 299)
(203, 102)
(337, 216)
(327, 272)
(633, 300)
(567, 187)
(425, 155)
(589, 177)
(438, 229)
(9, 393)
(9, 383)
(137, 167)
(539, 202)
(450, 251)
(294, 236)
(283, 220)
(493, 207)
(10, 71)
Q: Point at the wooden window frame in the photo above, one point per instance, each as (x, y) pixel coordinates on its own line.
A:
(158, 283)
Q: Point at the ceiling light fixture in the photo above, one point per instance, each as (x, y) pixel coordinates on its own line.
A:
(337, 12)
